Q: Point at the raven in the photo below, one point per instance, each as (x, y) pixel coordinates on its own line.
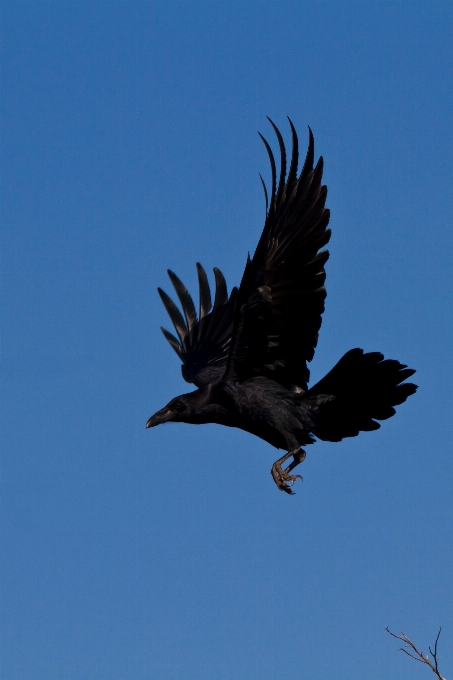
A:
(247, 354)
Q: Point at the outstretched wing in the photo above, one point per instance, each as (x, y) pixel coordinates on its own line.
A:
(282, 293)
(203, 342)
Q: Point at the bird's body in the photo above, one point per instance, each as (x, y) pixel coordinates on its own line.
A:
(248, 354)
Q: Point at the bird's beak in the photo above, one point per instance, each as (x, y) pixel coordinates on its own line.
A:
(162, 416)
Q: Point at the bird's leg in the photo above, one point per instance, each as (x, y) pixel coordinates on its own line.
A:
(281, 476)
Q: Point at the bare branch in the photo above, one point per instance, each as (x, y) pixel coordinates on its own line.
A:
(434, 655)
(419, 656)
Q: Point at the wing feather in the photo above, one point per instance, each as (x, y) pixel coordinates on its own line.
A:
(266, 197)
(221, 293)
(205, 292)
(174, 314)
(272, 162)
(174, 342)
(281, 296)
(185, 299)
(281, 183)
(204, 341)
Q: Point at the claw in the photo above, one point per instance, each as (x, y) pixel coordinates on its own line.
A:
(281, 476)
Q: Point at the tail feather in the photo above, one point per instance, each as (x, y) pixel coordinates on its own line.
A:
(366, 388)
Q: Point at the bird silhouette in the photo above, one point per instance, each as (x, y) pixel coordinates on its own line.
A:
(247, 353)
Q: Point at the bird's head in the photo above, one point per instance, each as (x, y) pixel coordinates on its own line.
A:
(193, 407)
(174, 411)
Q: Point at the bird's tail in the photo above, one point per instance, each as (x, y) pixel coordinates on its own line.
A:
(366, 388)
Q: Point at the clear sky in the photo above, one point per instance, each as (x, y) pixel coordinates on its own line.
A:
(130, 145)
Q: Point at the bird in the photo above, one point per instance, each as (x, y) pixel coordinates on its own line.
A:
(247, 353)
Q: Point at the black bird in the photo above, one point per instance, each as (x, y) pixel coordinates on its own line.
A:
(248, 353)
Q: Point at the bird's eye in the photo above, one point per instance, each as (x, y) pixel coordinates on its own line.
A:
(178, 406)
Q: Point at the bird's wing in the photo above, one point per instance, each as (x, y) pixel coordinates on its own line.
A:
(282, 293)
(203, 341)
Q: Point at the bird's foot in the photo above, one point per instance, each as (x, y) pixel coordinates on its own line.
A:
(281, 476)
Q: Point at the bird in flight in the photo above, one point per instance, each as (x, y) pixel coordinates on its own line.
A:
(247, 353)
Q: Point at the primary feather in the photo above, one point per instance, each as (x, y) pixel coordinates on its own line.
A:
(203, 342)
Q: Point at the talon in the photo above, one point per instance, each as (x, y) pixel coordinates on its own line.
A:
(281, 476)
(294, 477)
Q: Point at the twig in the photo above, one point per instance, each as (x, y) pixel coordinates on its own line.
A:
(419, 656)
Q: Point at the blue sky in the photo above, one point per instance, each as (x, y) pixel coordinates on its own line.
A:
(129, 146)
